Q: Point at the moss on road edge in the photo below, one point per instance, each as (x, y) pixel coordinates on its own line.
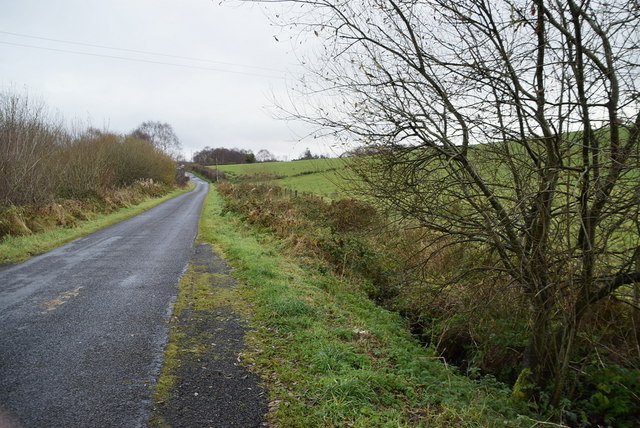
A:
(202, 382)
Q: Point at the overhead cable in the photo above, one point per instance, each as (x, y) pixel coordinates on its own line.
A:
(71, 42)
(149, 61)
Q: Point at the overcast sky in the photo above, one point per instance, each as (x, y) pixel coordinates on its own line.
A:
(231, 64)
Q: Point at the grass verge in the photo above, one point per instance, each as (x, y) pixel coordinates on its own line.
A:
(329, 356)
(19, 248)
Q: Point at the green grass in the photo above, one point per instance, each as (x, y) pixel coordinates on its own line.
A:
(18, 248)
(329, 184)
(282, 169)
(329, 356)
(324, 177)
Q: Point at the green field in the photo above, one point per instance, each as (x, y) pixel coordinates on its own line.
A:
(325, 177)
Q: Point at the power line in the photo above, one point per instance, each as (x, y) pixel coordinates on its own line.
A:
(143, 60)
(71, 42)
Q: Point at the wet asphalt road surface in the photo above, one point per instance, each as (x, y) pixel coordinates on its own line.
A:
(83, 327)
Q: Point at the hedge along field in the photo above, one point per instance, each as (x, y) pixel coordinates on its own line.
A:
(52, 177)
(323, 177)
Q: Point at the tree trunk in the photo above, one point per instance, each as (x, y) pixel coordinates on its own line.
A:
(541, 346)
(564, 341)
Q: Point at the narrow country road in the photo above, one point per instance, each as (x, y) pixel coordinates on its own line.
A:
(83, 327)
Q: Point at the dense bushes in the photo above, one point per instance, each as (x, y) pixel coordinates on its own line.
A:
(43, 165)
(96, 161)
(481, 324)
(40, 160)
(478, 323)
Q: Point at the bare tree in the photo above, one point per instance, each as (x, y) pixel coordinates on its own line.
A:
(265, 155)
(506, 126)
(161, 135)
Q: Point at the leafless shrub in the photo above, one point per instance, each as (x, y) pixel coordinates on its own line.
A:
(29, 145)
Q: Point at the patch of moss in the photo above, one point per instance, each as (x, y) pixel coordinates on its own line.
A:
(523, 388)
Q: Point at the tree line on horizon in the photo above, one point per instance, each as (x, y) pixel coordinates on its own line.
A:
(225, 156)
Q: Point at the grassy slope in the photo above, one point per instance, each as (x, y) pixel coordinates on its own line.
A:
(319, 176)
(327, 177)
(331, 357)
(17, 248)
